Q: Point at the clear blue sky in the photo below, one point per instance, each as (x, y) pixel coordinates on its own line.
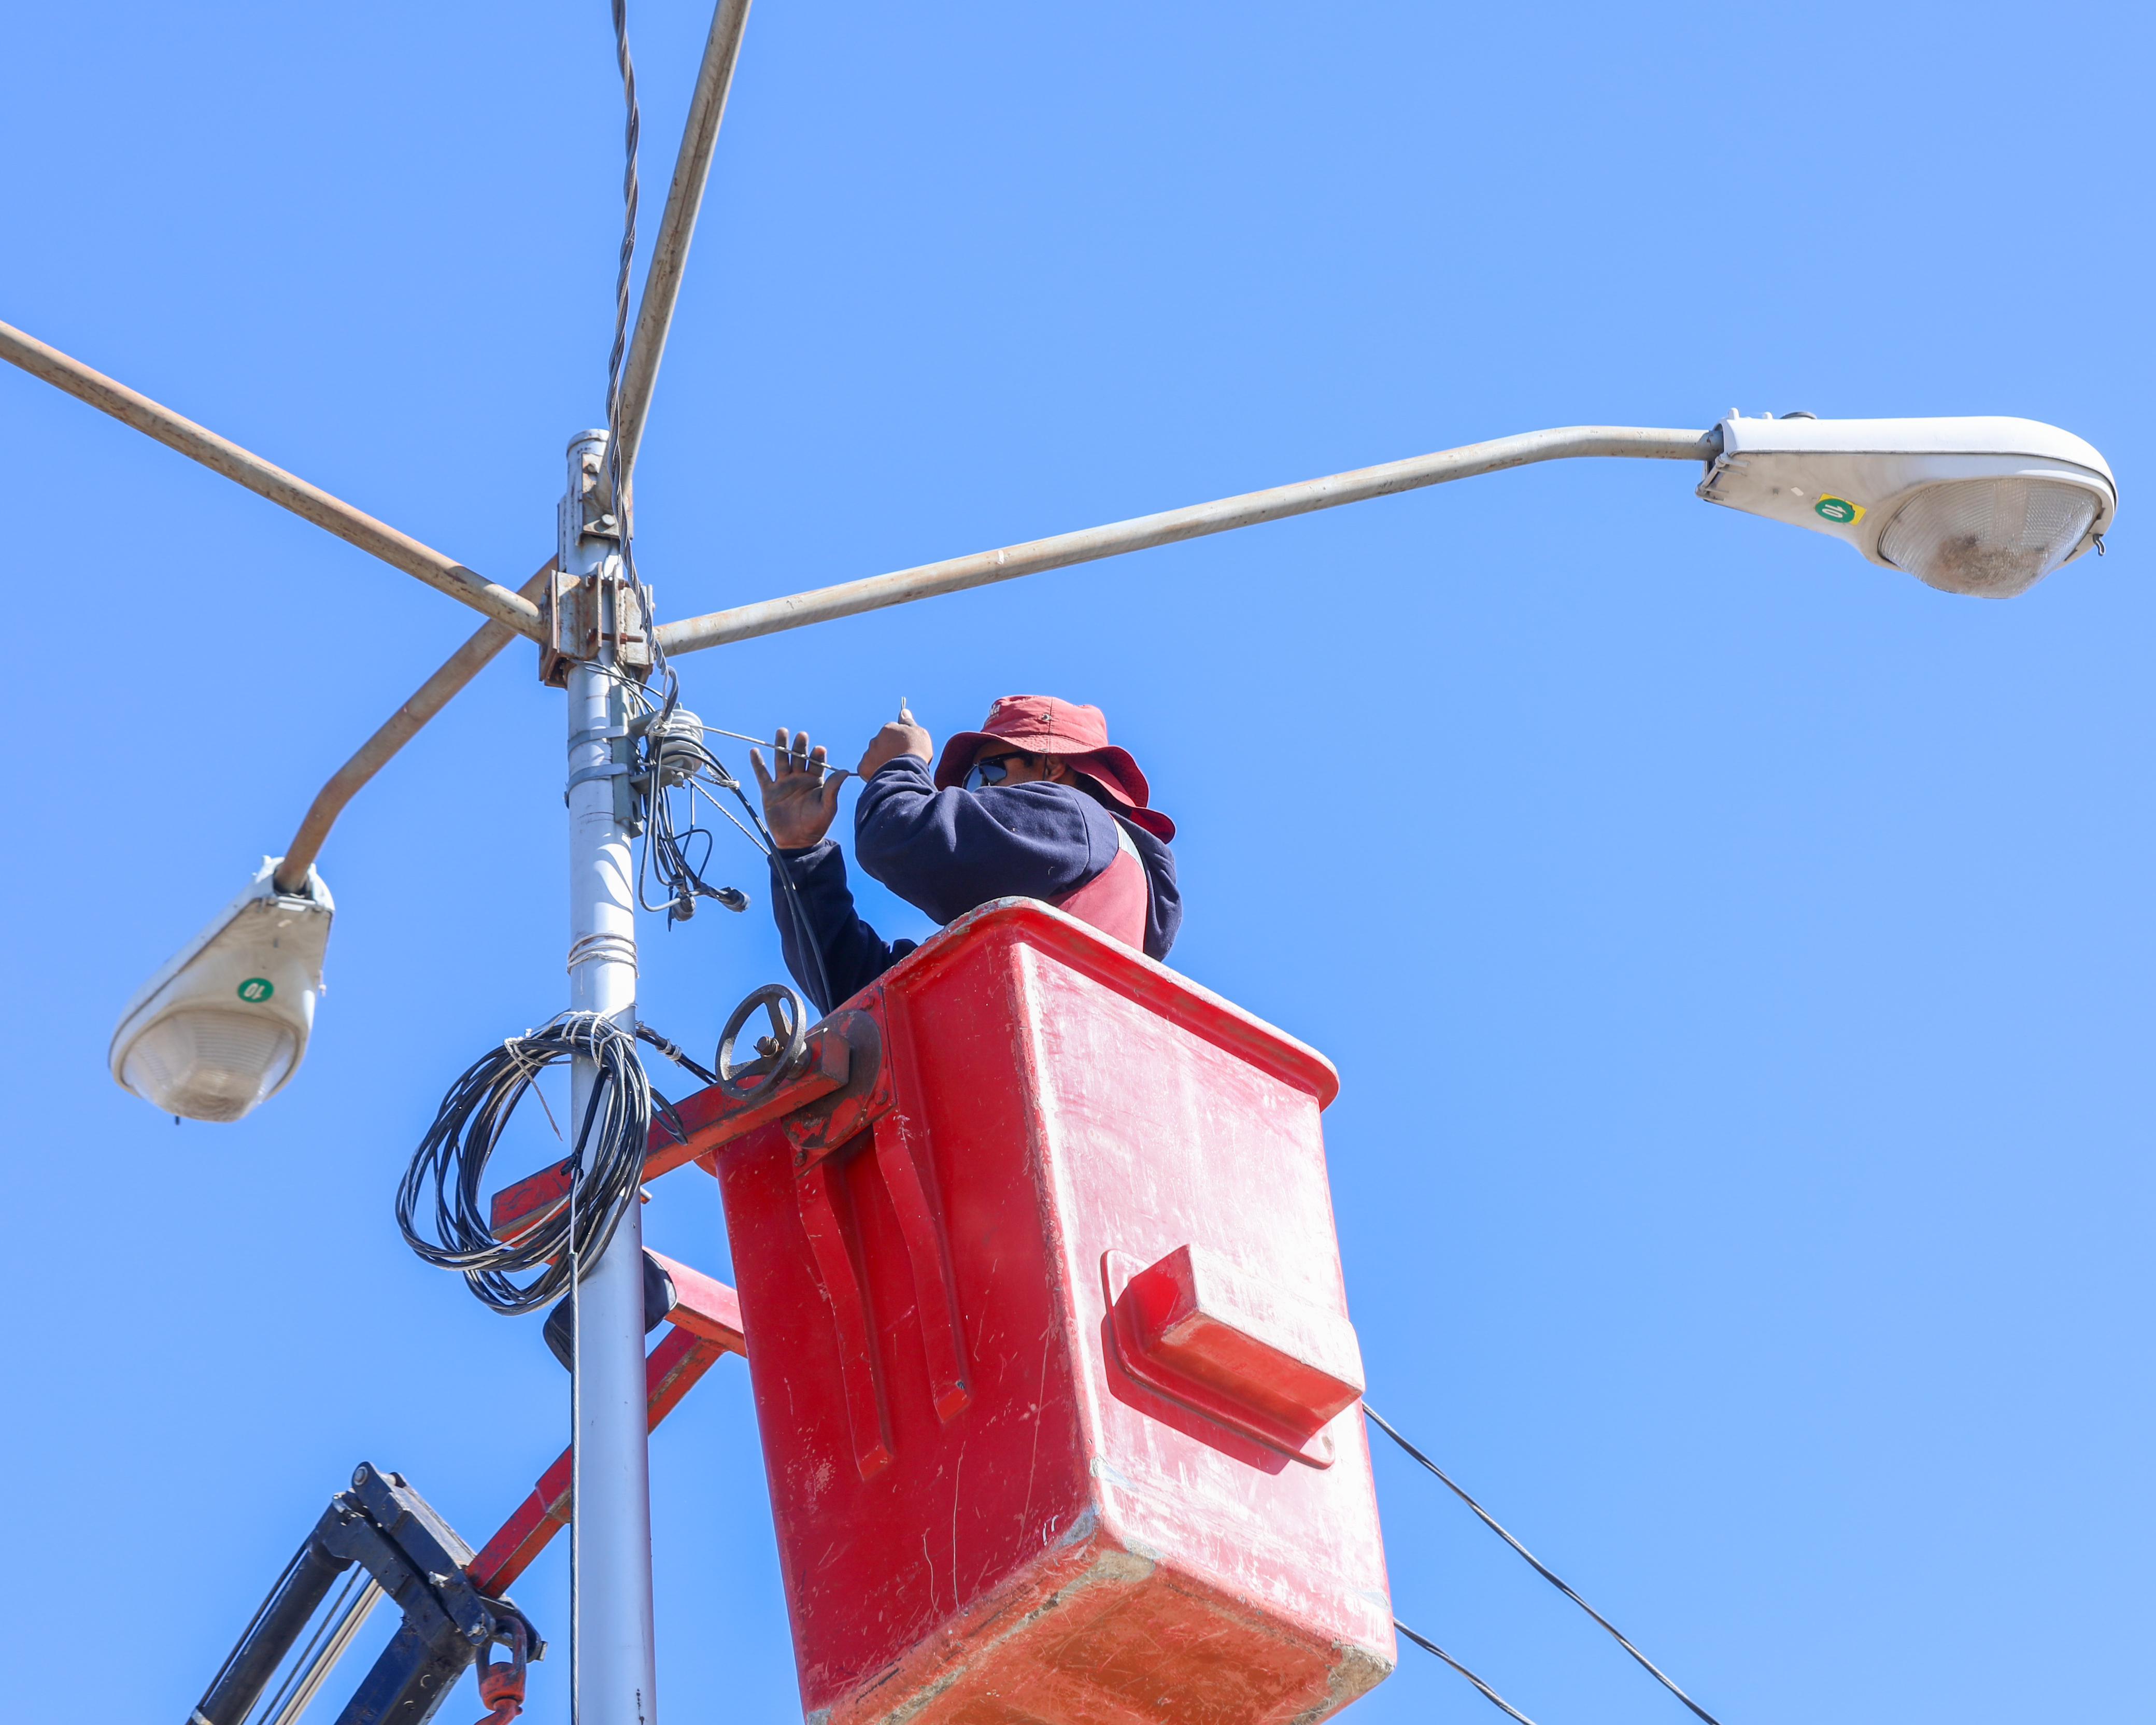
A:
(1736, 955)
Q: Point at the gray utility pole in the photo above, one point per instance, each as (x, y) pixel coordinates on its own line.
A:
(599, 635)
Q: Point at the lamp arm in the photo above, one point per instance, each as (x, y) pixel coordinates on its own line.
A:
(310, 502)
(467, 662)
(717, 628)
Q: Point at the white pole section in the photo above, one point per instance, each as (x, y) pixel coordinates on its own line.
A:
(715, 628)
(615, 1662)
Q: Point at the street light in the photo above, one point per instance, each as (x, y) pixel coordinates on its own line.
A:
(1983, 506)
(1970, 505)
(224, 1024)
(1986, 506)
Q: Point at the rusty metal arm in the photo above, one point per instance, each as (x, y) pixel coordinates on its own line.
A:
(677, 226)
(717, 628)
(309, 502)
(467, 662)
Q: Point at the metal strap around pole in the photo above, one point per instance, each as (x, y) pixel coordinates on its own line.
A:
(983, 567)
(355, 526)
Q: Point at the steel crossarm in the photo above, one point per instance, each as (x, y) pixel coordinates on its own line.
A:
(677, 226)
(355, 526)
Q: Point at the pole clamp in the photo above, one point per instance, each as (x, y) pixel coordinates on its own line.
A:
(585, 775)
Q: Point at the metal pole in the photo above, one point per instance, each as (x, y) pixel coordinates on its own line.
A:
(717, 628)
(677, 226)
(615, 1665)
(355, 526)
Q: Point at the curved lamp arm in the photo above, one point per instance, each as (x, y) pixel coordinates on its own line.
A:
(954, 574)
(467, 662)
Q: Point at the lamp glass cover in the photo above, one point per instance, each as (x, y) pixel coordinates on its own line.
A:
(209, 1063)
(1991, 538)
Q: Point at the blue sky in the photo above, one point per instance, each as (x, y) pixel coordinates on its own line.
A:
(1736, 955)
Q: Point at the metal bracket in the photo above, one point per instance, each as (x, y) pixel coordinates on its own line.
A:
(581, 613)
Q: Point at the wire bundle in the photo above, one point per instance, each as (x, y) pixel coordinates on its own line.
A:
(616, 1129)
(672, 756)
(673, 753)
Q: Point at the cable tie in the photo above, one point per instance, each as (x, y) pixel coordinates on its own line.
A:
(620, 948)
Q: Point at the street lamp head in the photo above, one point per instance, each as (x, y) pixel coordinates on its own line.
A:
(224, 1024)
(1987, 507)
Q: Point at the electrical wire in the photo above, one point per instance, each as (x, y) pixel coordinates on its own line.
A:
(1539, 1566)
(1488, 1694)
(644, 1032)
(617, 478)
(701, 766)
(671, 755)
(674, 751)
(605, 1166)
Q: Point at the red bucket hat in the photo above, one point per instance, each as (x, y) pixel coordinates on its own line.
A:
(1042, 725)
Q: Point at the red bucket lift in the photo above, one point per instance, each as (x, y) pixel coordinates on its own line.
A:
(1051, 1349)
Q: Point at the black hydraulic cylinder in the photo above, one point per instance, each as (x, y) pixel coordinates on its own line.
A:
(299, 1592)
(411, 1679)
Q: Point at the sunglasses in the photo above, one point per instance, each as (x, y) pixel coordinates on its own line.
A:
(984, 774)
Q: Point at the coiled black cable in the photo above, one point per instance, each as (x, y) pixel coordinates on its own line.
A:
(452, 1157)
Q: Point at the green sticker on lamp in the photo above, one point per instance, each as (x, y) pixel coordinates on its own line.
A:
(256, 989)
(1839, 510)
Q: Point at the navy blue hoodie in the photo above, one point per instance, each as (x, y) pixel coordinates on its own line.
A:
(945, 853)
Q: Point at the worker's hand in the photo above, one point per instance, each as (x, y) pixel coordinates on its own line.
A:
(800, 802)
(901, 736)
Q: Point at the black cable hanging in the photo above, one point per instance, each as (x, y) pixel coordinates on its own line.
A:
(1488, 1693)
(1540, 1568)
(606, 1165)
(671, 757)
(672, 1051)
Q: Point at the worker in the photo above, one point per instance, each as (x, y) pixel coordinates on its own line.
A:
(1036, 803)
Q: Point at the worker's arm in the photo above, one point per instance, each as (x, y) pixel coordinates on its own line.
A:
(854, 954)
(831, 951)
(946, 852)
